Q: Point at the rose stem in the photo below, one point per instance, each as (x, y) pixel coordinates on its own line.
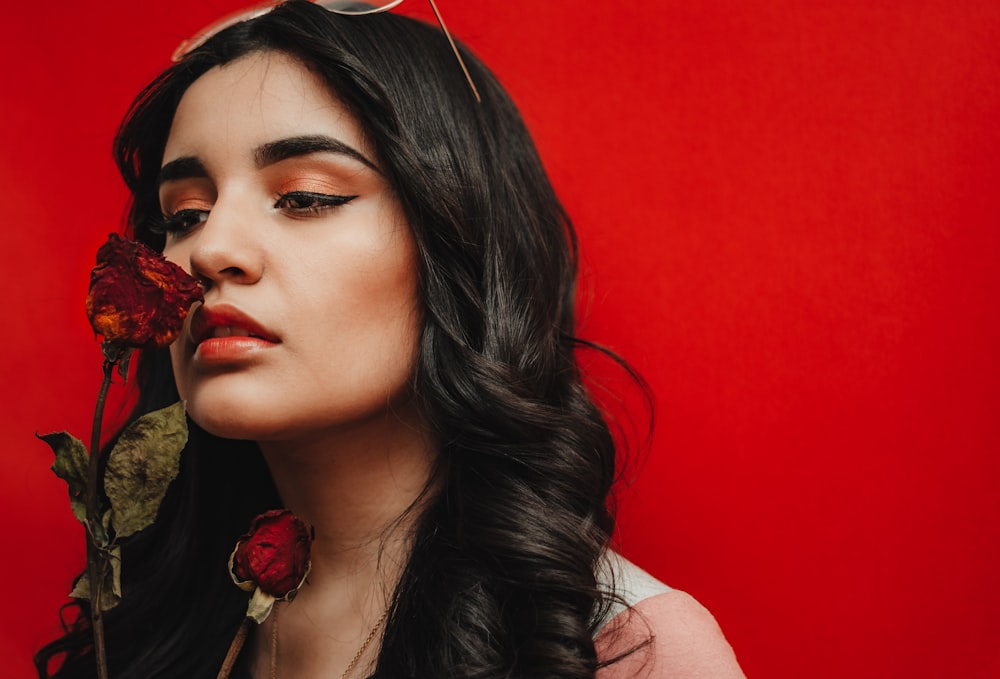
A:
(97, 560)
(235, 648)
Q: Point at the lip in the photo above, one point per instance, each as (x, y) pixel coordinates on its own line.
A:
(206, 322)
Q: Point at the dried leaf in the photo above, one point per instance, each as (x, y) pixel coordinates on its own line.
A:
(123, 361)
(111, 592)
(71, 466)
(260, 606)
(141, 466)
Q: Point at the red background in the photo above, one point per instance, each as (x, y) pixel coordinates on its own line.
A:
(789, 220)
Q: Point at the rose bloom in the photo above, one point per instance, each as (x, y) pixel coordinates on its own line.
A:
(273, 555)
(137, 298)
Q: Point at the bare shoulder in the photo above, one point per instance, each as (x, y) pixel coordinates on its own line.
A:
(669, 635)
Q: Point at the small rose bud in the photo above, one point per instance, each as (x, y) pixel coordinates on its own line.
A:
(137, 298)
(273, 556)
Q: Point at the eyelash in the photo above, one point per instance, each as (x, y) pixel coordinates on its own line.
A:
(297, 203)
(316, 202)
(179, 222)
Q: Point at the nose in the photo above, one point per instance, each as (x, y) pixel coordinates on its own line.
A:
(223, 249)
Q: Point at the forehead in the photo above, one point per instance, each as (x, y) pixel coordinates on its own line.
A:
(254, 100)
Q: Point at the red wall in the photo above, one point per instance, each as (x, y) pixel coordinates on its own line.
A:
(790, 224)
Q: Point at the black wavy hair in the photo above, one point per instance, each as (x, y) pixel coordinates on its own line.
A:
(501, 579)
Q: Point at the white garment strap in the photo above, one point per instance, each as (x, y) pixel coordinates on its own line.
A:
(617, 575)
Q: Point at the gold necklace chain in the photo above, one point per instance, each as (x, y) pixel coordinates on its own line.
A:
(350, 666)
(365, 644)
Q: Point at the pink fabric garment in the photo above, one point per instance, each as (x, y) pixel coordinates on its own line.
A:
(674, 637)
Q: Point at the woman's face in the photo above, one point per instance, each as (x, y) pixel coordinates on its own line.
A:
(272, 198)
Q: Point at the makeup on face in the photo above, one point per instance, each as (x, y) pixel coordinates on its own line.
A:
(271, 198)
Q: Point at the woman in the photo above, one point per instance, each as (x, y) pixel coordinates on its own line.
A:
(386, 348)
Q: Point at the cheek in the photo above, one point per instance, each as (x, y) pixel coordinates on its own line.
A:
(394, 315)
(406, 308)
(374, 280)
(173, 252)
(376, 316)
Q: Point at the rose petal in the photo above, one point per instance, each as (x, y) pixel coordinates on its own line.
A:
(273, 555)
(137, 298)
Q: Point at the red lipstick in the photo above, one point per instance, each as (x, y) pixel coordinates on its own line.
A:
(224, 334)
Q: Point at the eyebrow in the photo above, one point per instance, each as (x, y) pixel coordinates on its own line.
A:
(182, 168)
(282, 149)
(268, 154)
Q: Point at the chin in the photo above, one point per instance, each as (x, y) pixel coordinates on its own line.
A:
(229, 427)
(232, 407)
(230, 416)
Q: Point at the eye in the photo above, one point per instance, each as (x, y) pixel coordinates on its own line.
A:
(308, 202)
(180, 222)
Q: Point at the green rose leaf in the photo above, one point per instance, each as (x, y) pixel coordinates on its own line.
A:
(111, 591)
(141, 466)
(71, 466)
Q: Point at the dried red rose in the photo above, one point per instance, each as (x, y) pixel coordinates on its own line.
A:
(274, 555)
(137, 298)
